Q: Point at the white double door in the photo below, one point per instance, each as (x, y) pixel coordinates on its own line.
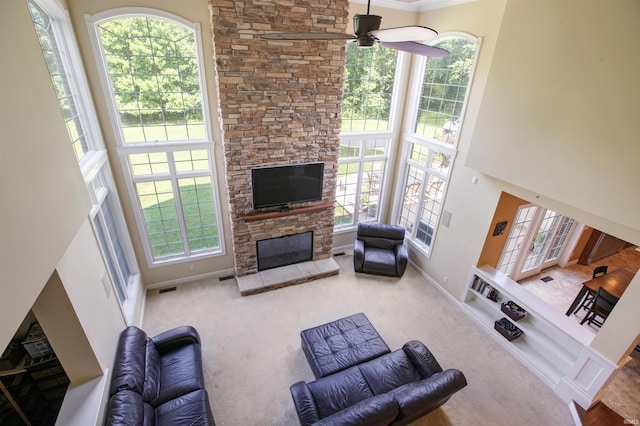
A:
(538, 239)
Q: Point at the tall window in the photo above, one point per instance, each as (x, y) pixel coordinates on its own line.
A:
(429, 148)
(153, 66)
(63, 61)
(367, 121)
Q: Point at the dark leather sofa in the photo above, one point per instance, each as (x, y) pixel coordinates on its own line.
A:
(158, 380)
(393, 389)
(379, 249)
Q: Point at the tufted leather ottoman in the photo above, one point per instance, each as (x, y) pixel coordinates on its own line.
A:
(341, 344)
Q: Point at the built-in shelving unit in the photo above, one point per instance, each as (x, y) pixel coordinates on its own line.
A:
(252, 217)
(551, 343)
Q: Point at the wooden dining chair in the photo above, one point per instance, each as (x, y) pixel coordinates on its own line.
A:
(600, 309)
(598, 271)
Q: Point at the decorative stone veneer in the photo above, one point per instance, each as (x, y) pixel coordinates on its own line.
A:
(280, 103)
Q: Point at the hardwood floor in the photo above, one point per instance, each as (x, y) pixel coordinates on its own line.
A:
(598, 415)
(622, 393)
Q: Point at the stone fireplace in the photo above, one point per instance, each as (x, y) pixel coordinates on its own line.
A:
(280, 103)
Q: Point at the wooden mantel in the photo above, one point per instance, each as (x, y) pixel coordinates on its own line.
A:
(253, 217)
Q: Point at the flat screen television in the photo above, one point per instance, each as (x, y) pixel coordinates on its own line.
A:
(284, 185)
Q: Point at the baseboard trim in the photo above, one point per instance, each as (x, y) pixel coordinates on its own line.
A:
(191, 278)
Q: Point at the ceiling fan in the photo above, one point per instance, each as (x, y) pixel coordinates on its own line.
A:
(367, 33)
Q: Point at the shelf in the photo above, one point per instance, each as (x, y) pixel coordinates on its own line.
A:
(254, 217)
(551, 342)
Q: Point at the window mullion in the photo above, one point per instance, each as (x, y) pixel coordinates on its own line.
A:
(177, 199)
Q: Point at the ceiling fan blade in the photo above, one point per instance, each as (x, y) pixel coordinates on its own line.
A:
(410, 33)
(307, 36)
(417, 48)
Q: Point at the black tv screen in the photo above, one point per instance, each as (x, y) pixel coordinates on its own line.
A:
(283, 185)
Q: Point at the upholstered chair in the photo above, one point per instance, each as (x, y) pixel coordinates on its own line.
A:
(379, 249)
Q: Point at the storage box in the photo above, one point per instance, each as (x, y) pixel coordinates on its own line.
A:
(507, 329)
(513, 311)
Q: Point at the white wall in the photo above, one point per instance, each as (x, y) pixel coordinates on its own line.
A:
(551, 76)
(44, 201)
(50, 259)
(559, 116)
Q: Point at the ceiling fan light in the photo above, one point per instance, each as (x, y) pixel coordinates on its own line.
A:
(410, 33)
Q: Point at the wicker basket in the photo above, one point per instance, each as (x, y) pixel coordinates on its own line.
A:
(513, 311)
(507, 329)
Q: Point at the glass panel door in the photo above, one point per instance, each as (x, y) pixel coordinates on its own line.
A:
(536, 241)
(517, 238)
(541, 243)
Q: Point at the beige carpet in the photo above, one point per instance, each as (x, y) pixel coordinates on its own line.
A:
(251, 346)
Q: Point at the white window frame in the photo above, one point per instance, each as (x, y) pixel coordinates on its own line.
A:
(95, 161)
(410, 137)
(390, 135)
(124, 149)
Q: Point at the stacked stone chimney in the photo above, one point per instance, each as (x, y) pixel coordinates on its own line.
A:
(280, 103)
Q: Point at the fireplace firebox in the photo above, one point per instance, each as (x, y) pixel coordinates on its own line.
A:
(283, 251)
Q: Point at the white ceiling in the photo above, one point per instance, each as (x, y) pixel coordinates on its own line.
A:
(412, 5)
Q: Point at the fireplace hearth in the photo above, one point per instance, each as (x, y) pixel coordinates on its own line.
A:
(283, 251)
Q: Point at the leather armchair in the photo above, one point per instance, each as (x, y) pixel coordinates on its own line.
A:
(394, 389)
(379, 249)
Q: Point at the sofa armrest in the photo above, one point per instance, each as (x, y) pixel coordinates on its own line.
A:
(378, 410)
(304, 403)
(402, 258)
(358, 255)
(175, 338)
(419, 398)
(422, 358)
(125, 408)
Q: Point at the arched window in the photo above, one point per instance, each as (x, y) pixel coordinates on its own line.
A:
(152, 72)
(441, 87)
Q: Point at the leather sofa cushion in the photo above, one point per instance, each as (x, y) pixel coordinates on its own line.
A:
(379, 260)
(339, 391)
(181, 372)
(125, 408)
(389, 372)
(190, 409)
(176, 337)
(129, 366)
(381, 243)
(381, 230)
(149, 415)
(380, 235)
(375, 411)
(418, 398)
